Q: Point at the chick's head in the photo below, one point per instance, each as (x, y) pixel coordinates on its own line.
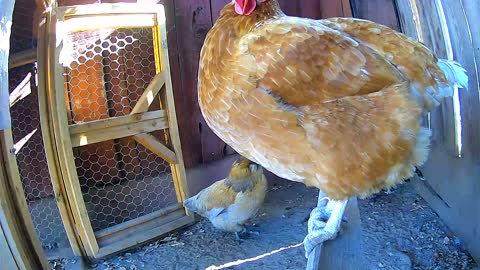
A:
(244, 168)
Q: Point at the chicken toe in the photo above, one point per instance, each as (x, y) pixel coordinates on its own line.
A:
(320, 229)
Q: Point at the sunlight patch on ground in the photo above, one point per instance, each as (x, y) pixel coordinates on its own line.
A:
(238, 262)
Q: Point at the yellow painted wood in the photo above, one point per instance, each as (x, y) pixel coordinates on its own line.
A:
(49, 143)
(118, 127)
(150, 93)
(62, 139)
(163, 65)
(157, 147)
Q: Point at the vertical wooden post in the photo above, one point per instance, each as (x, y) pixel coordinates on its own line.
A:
(161, 55)
(49, 143)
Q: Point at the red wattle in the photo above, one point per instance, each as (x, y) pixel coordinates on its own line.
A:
(245, 7)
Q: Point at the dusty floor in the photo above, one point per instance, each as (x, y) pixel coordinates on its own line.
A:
(399, 230)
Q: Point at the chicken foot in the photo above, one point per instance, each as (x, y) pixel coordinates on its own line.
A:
(238, 235)
(324, 223)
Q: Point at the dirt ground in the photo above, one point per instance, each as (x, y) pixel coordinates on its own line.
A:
(399, 232)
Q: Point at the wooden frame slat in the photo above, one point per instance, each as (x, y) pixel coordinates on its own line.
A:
(161, 57)
(157, 147)
(118, 127)
(108, 232)
(150, 93)
(62, 138)
(22, 58)
(49, 142)
(119, 8)
(83, 23)
(146, 232)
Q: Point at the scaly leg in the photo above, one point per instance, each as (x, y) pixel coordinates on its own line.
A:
(320, 230)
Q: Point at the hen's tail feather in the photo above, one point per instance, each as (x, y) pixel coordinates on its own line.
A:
(456, 76)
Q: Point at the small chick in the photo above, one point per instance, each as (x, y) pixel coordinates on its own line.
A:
(230, 202)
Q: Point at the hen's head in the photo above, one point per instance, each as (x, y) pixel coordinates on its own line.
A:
(246, 7)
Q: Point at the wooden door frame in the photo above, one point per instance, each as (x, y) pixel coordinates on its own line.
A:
(60, 137)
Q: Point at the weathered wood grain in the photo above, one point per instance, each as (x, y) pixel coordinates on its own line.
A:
(452, 183)
(380, 11)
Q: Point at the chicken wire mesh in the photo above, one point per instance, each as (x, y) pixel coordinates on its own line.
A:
(107, 72)
(31, 159)
(22, 35)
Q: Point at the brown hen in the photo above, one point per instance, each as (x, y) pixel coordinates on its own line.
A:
(335, 103)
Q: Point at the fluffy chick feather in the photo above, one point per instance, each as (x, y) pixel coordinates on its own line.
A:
(229, 203)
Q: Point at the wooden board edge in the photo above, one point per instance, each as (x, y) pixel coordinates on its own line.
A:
(22, 58)
(62, 138)
(49, 145)
(135, 222)
(146, 236)
(157, 147)
(162, 58)
(117, 132)
(150, 93)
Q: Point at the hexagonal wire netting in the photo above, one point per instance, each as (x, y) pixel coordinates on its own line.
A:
(27, 135)
(108, 71)
(22, 26)
(31, 159)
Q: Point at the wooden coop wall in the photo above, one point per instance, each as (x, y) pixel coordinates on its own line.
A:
(451, 29)
(452, 182)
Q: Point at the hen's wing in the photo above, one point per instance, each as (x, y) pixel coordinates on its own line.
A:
(345, 119)
(219, 196)
(410, 56)
(304, 62)
(215, 198)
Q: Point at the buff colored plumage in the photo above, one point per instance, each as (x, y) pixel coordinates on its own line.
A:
(231, 202)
